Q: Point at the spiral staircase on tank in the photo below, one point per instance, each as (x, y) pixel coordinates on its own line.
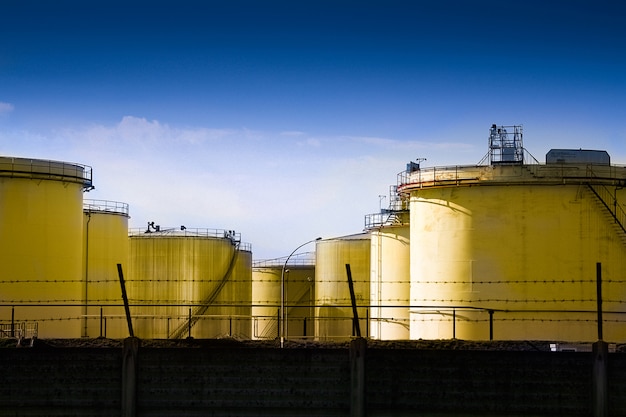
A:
(209, 299)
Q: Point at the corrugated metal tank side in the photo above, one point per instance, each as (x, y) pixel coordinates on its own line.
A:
(519, 250)
(105, 235)
(41, 247)
(332, 295)
(390, 283)
(299, 290)
(173, 274)
(266, 287)
(266, 300)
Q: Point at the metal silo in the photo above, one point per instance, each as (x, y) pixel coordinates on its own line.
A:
(105, 237)
(334, 318)
(390, 284)
(41, 227)
(510, 250)
(390, 270)
(189, 282)
(299, 286)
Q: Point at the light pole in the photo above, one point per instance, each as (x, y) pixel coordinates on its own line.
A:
(282, 292)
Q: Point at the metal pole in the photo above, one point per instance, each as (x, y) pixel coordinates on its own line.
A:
(599, 299)
(125, 298)
(189, 324)
(282, 327)
(454, 323)
(13, 321)
(100, 321)
(490, 324)
(355, 315)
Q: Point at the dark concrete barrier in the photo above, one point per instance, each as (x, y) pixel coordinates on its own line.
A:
(227, 381)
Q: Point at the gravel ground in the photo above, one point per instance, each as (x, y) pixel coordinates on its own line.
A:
(524, 345)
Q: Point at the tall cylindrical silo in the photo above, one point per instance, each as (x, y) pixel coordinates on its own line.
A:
(105, 231)
(41, 225)
(334, 317)
(510, 251)
(299, 284)
(190, 282)
(390, 284)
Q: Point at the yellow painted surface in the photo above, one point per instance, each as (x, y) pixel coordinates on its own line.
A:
(171, 273)
(332, 294)
(390, 283)
(525, 251)
(299, 293)
(40, 253)
(105, 244)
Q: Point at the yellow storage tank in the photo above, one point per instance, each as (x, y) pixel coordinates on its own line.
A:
(334, 318)
(509, 251)
(390, 284)
(105, 231)
(299, 288)
(189, 282)
(41, 226)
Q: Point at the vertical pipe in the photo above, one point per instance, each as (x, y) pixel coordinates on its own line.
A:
(86, 293)
(599, 298)
(101, 321)
(12, 321)
(490, 324)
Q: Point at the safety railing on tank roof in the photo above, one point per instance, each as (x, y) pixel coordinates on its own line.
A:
(298, 259)
(105, 206)
(183, 231)
(543, 173)
(40, 168)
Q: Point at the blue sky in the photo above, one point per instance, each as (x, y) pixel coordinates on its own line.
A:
(285, 120)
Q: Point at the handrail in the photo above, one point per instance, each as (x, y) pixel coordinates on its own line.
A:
(456, 175)
(48, 169)
(107, 206)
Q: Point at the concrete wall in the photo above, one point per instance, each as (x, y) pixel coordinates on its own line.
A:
(225, 381)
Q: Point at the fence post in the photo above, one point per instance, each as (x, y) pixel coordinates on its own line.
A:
(490, 324)
(129, 377)
(358, 347)
(600, 388)
(454, 323)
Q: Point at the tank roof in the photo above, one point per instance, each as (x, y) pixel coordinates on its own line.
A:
(46, 169)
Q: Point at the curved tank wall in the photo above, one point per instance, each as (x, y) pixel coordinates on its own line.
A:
(332, 294)
(390, 283)
(105, 244)
(41, 227)
(517, 247)
(191, 283)
(266, 300)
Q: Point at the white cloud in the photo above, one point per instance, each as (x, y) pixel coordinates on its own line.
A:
(6, 107)
(275, 191)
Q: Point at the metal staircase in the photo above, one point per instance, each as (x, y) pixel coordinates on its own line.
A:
(208, 300)
(612, 206)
